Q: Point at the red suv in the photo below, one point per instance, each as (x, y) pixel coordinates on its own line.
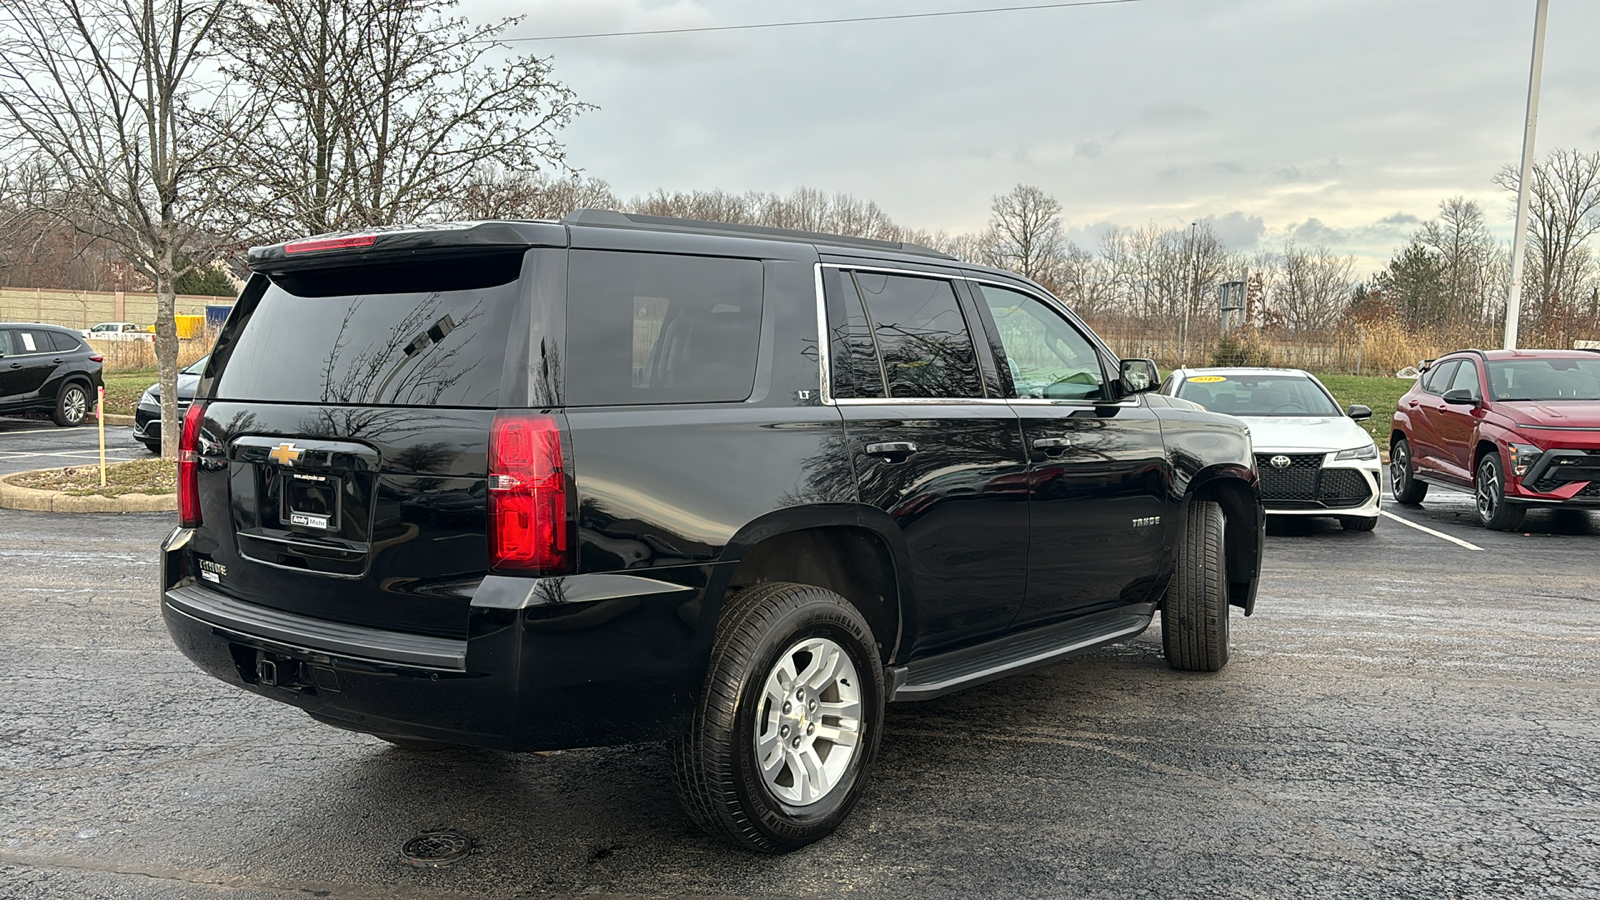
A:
(1514, 427)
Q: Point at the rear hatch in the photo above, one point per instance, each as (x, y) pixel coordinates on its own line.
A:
(346, 438)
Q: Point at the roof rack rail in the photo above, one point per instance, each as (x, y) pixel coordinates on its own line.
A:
(607, 218)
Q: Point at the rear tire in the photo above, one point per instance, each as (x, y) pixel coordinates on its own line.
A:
(1489, 492)
(1358, 523)
(72, 405)
(1194, 613)
(1407, 489)
(739, 772)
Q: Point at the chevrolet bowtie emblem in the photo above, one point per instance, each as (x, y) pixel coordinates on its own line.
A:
(284, 454)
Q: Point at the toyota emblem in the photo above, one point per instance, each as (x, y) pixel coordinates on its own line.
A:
(1280, 461)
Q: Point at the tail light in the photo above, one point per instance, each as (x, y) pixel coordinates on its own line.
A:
(95, 357)
(349, 242)
(189, 467)
(527, 496)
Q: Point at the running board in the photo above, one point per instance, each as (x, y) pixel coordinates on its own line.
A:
(935, 676)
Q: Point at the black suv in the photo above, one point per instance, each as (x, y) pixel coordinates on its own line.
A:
(48, 369)
(533, 485)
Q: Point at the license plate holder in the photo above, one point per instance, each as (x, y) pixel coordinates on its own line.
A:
(311, 501)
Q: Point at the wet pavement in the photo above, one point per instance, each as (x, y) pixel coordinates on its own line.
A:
(1403, 717)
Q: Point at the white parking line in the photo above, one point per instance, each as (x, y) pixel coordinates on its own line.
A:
(1423, 528)
(32, 431)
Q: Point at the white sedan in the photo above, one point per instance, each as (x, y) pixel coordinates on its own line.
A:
(1313, 459)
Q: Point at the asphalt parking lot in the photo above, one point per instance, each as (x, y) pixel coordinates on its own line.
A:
(1405, 716)
(39, 444)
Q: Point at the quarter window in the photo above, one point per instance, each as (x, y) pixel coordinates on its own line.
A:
(660, 328)
(1047, 357)
(921, 336)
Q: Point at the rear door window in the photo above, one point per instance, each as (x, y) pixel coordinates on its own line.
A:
(922, 336)
(424, 333)
(660, 328)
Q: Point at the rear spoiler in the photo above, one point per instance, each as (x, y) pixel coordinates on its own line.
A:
(356, 248)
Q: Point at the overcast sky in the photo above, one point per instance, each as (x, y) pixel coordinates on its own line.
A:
(1340, 121)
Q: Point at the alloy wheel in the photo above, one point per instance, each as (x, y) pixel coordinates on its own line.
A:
(1399, 467)
(76, 405)
(809, 723)
(1489, 490)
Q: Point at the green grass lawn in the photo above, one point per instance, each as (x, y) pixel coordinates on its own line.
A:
(123, 390)
(1381, 393)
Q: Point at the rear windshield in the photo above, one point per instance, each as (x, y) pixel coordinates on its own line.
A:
(427, 333)
(1258, 395)
(1545, 379)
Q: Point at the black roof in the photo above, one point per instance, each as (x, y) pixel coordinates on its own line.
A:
(489, 236)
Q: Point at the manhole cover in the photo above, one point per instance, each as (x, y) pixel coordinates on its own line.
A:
(436, 848)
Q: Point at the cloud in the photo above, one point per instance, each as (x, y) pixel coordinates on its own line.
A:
(1237, 230)
(1173, 115)
(546, 18)
(1400, 218)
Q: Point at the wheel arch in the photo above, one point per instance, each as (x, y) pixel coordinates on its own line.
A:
(1483, 448)
(1244, 530)
(840, 547)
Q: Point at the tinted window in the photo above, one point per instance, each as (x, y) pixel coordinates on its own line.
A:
(657, 328)
(28, 340)
(1259, 395)
(853, 362)
(1047, 357)
(416, 334)
(64, 343)
(921, 335)
(7, 341)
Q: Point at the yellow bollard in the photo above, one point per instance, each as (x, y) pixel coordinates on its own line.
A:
(100, 416)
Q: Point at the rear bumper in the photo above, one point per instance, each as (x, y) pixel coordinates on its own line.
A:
(547, 663)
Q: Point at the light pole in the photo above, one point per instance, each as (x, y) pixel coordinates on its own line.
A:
(1520, 238)
(1194, 290)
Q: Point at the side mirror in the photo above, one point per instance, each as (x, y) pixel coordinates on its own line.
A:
(1460, 397)
(1358, 412)
(1138, 376)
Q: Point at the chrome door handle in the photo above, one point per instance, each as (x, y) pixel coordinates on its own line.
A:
(893, 451)
(1052, 446)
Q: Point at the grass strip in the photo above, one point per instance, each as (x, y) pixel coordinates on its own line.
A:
(142, 476)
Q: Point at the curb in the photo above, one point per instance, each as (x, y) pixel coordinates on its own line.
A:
(114, 419)
(14, 497)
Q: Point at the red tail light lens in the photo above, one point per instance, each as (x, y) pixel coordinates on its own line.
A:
(189, 467)
(527, 496)
(95, 357)
(339, 243)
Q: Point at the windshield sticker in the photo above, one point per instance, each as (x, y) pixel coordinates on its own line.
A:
(27, 341)
(1207, 379)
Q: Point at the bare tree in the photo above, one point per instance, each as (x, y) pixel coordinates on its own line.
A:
(1466, 252)
(384, 111)
(1025, 233)
(1564, 214)
(493, 194)
(108, 96)
(1312, 287)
